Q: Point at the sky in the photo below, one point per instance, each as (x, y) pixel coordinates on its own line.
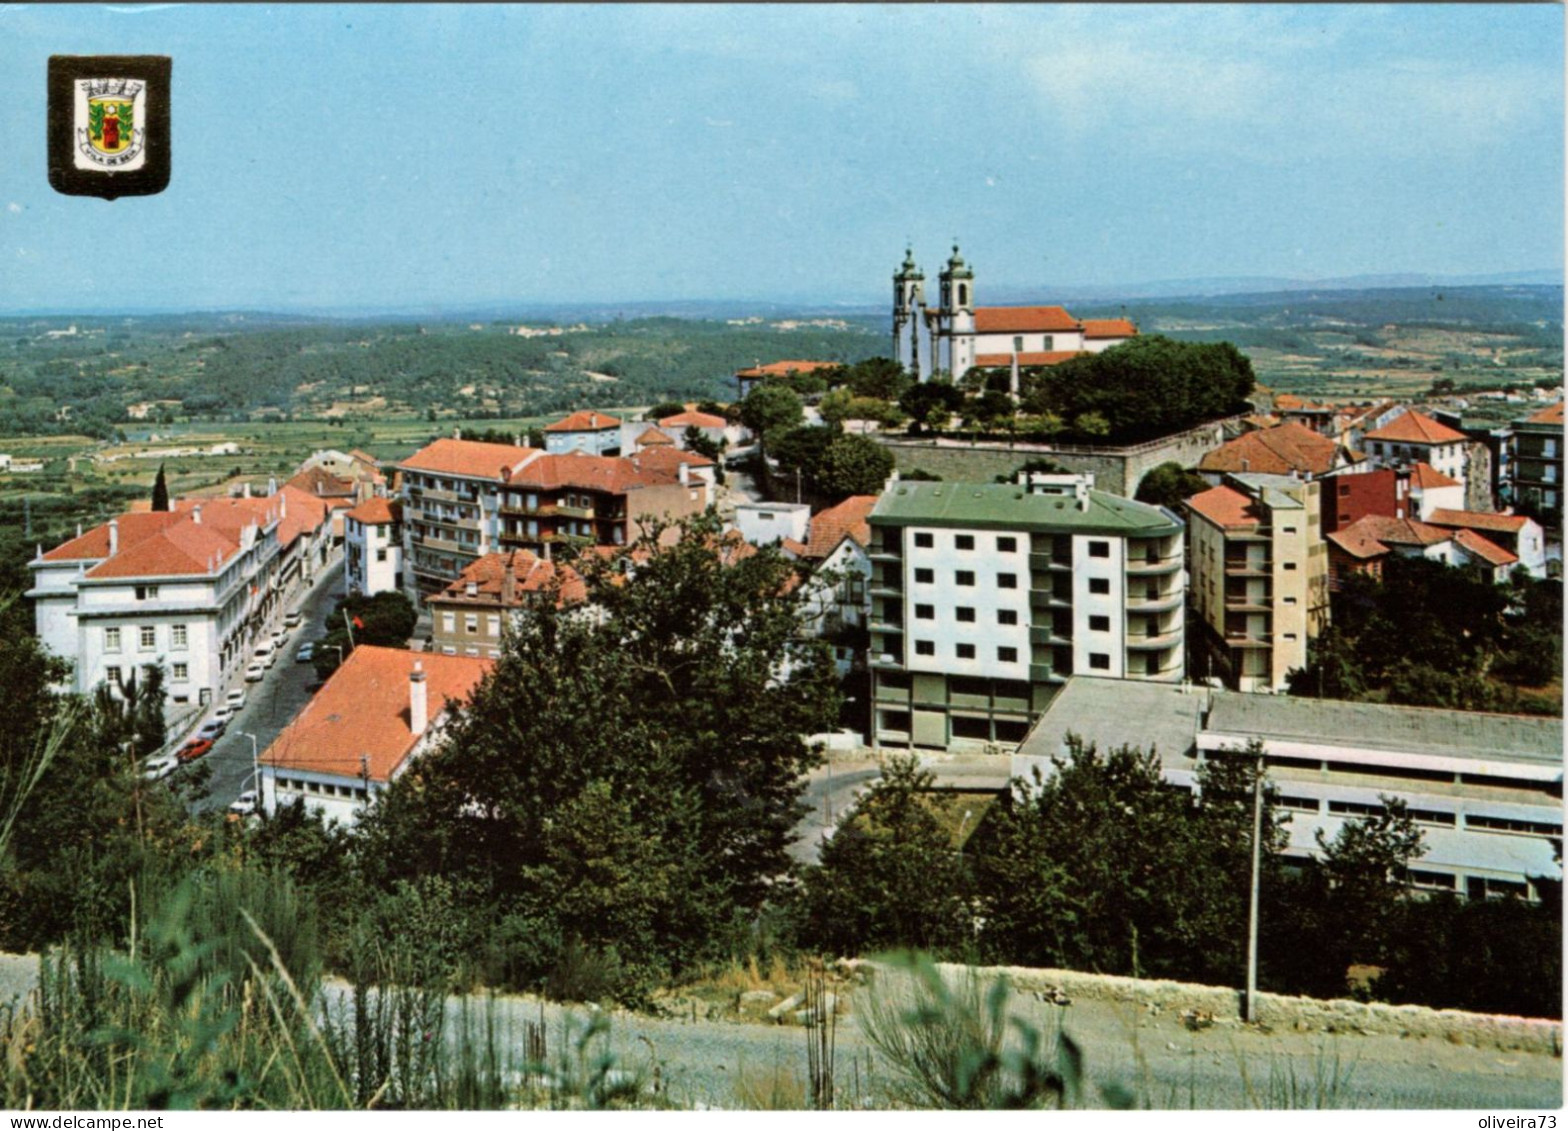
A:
(399, 156)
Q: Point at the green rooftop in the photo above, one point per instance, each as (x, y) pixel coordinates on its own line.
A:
(1010, 506)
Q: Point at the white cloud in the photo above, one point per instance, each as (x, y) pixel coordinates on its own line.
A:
(13, 207)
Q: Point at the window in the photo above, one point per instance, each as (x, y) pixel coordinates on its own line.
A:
(925, 612)
(1099, 549)
(925, 647)
(1007, 581)
(1290, 529)
(1344, 489)
(1099, 624)
(1099, 661)
(381, 554)
(182, 671)
(1007, 655)
(111, 674)
(1099, 585)
(925, 541)
(964, 576)
(146, 592)
(966, 615)
(1290, 636)
(147, 638)
(111, 640)
(1290, 566)
(1006, 545)
(449, 622)
(1290, 600)
(964, 541)
(177, 636)
(1006, 616)
(471, 622)
(925, 576)
(1048, 343)
(1018, 344)
(493, 625)
(966, 651)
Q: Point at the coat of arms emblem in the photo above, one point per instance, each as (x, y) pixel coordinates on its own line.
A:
(109, 124)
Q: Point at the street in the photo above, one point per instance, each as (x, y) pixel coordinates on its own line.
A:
(272, 702)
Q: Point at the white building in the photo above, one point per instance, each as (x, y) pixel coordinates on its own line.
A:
(1413, 437)
(596, 433)
(959, 335)
(190, 590)
(1485, 790)
(838, 598)
(373, 548)
(378, 712)
(987, 596)
(763, 524)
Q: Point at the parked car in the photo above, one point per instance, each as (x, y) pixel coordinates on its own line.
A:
(235, 700)
(161, 767)
(265, 651)
(306, 653)
(212, 728)
(245, 804)
(292, 618)
(255, 672)
(194, 749)
(224, 713)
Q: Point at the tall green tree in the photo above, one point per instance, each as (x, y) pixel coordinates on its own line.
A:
(771, 408)
(853, 465)
(160, 492)
(1170, 485)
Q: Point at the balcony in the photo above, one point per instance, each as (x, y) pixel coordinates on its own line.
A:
(1047, 599)
(573, 512)
(1154, 643)
(886, 626)
(443, 496)
(1045, 673)
(1248, 640)
(1050, 561)
(886, 589)
(1046, 634)
(1257, 534)
(1248, 605)
(1143, 567)
(879, 554)
(1156, 604)
(1261, 568)
(884, 661)
(445, 546)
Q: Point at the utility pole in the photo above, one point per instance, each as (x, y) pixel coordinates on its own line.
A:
(255, 767)
(1252, 904)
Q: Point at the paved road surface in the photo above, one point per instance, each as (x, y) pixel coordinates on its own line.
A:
(271, 703)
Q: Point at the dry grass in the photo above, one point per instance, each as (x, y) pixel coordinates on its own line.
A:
(779, 1087)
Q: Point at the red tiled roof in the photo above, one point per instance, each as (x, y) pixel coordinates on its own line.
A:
(585, 420)
(692, 419)
(1551, 414)
(1484, 548)
(365, 457)
(1479, 520)
(320, 482)
(832, 526)
(1373, 535)
(663, 457)
(784, 368)
(654, 436)
(1425, 476)
(1005, 319)
(1109, 328)
(1035, 357)
(614, 474)
(531, 574)
(470, 458)
(183, 549)
(1225, 506)
(374, 511)
(362, 711)
(790, 546)
(1416, 428)
(1276, 451)
(94, 543)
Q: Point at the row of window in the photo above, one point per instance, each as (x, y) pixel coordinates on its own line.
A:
(1415, 773)
(1004, 653)
(322, 789)
(471, 623)
(1005, 544)
(1440, 817)
(147, 638)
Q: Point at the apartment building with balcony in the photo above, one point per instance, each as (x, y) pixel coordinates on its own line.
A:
(986, 597)
(1535, 470)
(471, 615)
(581, 500)
(1259, 576)
(451, 507)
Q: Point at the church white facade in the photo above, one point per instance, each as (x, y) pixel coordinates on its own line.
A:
(958, 335)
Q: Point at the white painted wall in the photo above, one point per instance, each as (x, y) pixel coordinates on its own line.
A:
(1112, 605)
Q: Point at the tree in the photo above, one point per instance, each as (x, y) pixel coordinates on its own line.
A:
(930, 405)
(650, 754)
(771, 408)
(160, 492)
(835, 407)
(878, 378)
(696, 440)
(889, 877)
(1169, 485)
(663, 411)
(989, 411)
(854, 465)
(387, 619)
(802, 450)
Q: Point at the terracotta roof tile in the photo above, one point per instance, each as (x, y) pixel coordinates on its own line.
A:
(615, 474)
(362, 710)
(1416, 428)
(654, 436)
(692, 419)
(1094, 328)
(374, 511)
(1276, 451)
(845, 520)
(1373, 535)
(184, 549)
(1225, 506)
(784, 368)
(530, 575)
(321, 482)
(94, 544)
(585, 420)
(1425, 476)
(1005, 319)
(1478, 520)
(1035, 357)
(470, 458)
(1551, 414)
(663, 457)
(1484, 548)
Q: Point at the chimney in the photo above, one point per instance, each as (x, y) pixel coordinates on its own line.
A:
(593, 420)
(418, 702)
(508, 585)
(272, 484)
(114, 536)
(245, 491)
(685, 473)
(472, 589)
(196, 514)
(283, 506)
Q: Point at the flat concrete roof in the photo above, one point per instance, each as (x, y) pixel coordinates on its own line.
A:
(1536, 739)
(1109, 713)
(1008, 506)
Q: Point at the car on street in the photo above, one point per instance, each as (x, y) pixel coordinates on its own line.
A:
(264, 650)
(212, 728)
(224, 713)
(255, 672)
(292, 618)
(236, 700)
(245, 804)
(194, 749)
(306, 653)
(161, 767)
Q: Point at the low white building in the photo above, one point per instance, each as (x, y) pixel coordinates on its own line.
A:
(378, 712)
(373, 548)
(1414, 437)
(187, 590)
(763, 524)
(596, 433)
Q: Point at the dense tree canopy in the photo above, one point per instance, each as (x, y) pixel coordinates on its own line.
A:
(769, 409)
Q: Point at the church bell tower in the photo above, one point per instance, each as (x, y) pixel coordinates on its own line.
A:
(908, 301)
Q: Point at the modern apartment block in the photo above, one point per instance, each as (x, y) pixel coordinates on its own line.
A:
(986, 597)
(585, 500)
(1259, 576)
(1536, 467)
